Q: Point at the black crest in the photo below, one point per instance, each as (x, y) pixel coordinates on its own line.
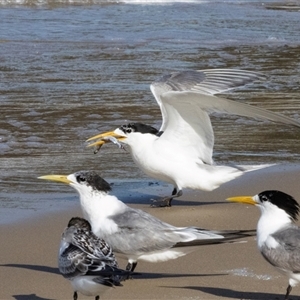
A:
(138, 127)
(283, 201)
(93, 179)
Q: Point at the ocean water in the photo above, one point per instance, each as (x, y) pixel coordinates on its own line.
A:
(71, 69)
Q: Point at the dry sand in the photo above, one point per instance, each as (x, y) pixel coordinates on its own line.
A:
(229, 271)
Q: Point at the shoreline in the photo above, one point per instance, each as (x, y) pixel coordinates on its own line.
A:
(228, 271)
(129, 191)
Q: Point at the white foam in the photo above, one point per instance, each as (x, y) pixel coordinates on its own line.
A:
(245, 272)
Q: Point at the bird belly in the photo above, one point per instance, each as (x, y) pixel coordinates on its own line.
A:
(163, 255)
(206, 177)
(153, 165)
(294, 279)
(86, 286)
(181, 171)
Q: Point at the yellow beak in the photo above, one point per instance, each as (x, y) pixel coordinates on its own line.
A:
(101, 138)
(57, 178)
(242, 199)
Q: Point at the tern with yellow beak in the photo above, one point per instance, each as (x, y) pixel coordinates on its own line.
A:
(134, 233)
(278, 237)
(181, 151)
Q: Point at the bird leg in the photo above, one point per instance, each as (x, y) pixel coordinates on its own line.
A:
(166, 201)
(75, 296)
(130, 267)
(174, 192)
(288, 290)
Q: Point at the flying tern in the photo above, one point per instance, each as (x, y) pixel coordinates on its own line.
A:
(278, 237)
(134, 233)
(181, 151)
(87, 261)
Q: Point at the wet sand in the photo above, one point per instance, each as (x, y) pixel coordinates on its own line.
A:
(229, 271)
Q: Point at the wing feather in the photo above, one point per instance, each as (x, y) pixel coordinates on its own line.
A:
(286, 255)
(146, 233)
(188, 125)
(208, 82)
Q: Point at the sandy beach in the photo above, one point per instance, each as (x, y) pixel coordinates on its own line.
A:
(229, 271)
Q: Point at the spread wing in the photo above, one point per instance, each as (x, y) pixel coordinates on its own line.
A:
(188, 126)
(206, 82)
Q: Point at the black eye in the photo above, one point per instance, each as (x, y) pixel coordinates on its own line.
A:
(264, 198)
(80, 178)
(128, 130)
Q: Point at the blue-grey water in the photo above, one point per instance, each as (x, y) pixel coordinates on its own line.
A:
(71, 69)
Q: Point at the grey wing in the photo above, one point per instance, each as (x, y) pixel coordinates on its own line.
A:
(139, 232)
(207, 82)
(287, 255)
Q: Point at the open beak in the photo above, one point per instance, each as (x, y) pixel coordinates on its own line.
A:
(56, 178)
(104, 138)
(242, 199)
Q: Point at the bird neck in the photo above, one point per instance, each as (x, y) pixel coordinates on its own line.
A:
(272, 219)
(97, 207)
(142, 149)
(139, 142)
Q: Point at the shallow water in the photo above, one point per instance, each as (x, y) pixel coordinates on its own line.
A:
(75, 68)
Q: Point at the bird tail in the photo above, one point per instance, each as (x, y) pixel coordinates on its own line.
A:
(250, 168)
(227, 236)
(112, 276)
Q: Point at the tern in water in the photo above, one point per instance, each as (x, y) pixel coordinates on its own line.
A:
(87, 261)
(181, 151)
(278, 237)
(134, 233)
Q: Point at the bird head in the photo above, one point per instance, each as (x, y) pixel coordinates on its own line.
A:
(272, 200)
(121, 134)
(82, 181)
(80, 223)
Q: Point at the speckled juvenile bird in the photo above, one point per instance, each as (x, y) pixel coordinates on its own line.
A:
(87, 261)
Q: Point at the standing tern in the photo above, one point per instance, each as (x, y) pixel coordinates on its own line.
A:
(278, 237)
(86, 260)
(134, 233)
(181, 151)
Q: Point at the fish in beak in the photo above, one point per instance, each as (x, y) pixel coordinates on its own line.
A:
(104, 138)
